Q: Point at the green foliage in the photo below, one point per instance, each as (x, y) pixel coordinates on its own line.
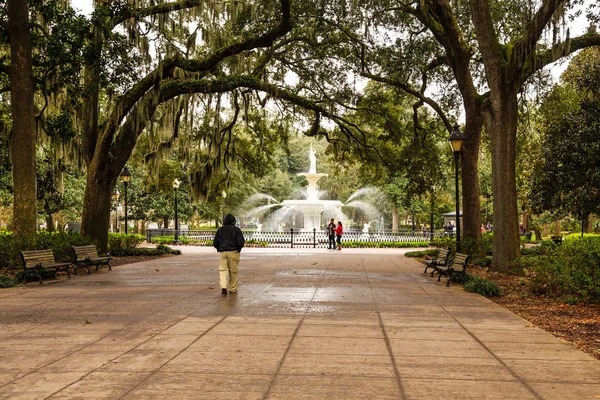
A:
(256, 243)
(422, 253)
(144, 251)
(570, 270)
(481, 261)
(359, 244)
(169, 239)
(444, 242)
(6, 281)
(565, 179)
(59, 242)
(118, 241)
(482, 286)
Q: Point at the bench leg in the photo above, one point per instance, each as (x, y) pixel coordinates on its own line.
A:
(448, 281)
(39, 275)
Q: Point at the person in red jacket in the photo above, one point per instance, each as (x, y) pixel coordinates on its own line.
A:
(339, 231)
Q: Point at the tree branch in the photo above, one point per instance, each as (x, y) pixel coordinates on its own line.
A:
(559, 51)
(527, 44)
(130, 12)
(166, 68)
(490, 48)
(415, 93)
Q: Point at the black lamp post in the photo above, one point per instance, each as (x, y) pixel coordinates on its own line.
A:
(125, 178)
(176, 184)
(456, 141)
(487, 197)
(223, 196)
(115, 196)
(431, 216)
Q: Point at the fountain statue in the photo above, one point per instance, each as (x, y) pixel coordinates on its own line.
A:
(313, 160)
(312, 206)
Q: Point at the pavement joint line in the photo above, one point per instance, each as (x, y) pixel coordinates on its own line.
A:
(272, 381)
(170, 359)
(513, 373)
(388, 344)
(74, 351)
(108, 334)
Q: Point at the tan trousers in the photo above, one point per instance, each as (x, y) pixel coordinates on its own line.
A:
(228, 270)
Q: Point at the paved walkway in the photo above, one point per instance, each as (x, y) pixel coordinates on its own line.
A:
(306, 324)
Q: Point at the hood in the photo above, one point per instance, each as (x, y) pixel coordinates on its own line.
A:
(229, 220)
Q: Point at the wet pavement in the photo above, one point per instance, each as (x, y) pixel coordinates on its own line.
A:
(306, 324)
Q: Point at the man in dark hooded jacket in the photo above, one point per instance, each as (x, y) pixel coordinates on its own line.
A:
(229, 241)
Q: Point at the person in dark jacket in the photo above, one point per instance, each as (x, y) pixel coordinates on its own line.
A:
(229, 241)
(331, 234)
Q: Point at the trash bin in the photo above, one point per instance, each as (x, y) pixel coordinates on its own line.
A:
(528, 236)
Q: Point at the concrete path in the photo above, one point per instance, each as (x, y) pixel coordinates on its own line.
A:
(307, 324)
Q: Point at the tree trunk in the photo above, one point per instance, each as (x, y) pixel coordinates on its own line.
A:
(166, 222)
(97, 202)
(50, 223)
(471, 207)
(22, 140)
(501, 122)
(557, 227)
(394, 219)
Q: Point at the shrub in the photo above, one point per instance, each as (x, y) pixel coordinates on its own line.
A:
(422, 253)
(482, 286)
(571, 270)
(123, 241)
(444, 242)
(481, 261)
(145, 251)
(6, 282)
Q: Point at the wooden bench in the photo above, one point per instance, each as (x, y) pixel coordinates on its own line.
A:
(440, 259)
(87, 256)
(37, 259)
(458, 266)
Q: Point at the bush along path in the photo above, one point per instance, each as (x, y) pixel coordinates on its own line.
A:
(122, 247)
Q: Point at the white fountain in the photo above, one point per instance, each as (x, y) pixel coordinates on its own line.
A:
(312, 206)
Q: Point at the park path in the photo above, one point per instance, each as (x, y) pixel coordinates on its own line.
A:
(306, 324)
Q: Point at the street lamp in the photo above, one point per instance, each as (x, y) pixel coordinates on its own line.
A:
(176, 184)
(115, 196)
(125, 178)
(431, 216)
(223, 196)
(487, 197)
(456, 140)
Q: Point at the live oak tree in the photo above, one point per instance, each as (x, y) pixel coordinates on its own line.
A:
(491, 57)
(228, 62)
(566, 178)
(23, 138)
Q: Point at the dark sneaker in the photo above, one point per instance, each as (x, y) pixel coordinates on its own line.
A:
(231, 292)
(224, 292)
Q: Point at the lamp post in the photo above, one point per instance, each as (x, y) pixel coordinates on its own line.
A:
(487, 197)
(125, 178)
(431, 216)
(115, 196)
(223, 196)
(176, 184)
(456, 141)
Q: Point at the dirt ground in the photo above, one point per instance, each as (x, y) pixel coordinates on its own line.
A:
(576, 323)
